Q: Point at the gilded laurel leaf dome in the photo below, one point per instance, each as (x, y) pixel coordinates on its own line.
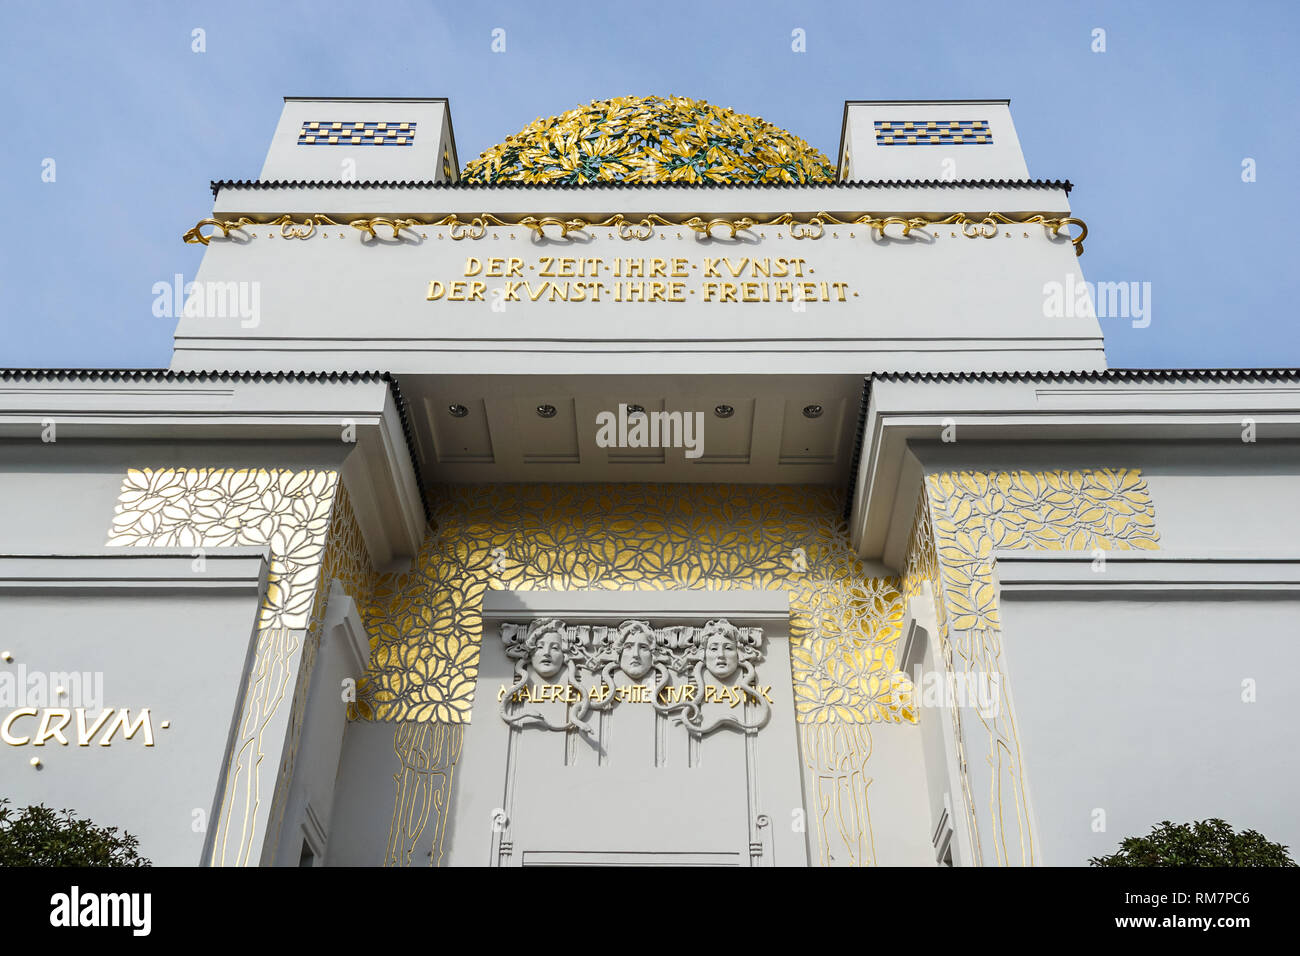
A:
(651, 139)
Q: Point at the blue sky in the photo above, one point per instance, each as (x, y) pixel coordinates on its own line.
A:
(1153, 131)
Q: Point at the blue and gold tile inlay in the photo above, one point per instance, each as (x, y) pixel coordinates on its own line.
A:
(932, 132)
(356, 134)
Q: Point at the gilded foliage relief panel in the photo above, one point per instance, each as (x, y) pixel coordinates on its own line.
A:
(285, 511)
(427, 754)
(976, 513)
(651, 139)
(426, 624)
(304, 520)
(836, 785)
(962, 518)
(345, 559)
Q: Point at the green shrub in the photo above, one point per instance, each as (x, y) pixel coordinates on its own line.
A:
(39, 836)
(1204, 843)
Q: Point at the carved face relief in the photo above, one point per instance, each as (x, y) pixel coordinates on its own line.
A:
(721, 654)
(638, 654)
(548, 655)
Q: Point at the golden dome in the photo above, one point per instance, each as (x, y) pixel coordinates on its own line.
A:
(651, 139)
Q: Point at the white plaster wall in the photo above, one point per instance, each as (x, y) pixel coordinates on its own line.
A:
(936, 301)
(1000, 158)
(183, 656)
(1134, 706)
(421, 159)
(655, 809)
(1131, 704)
(365, 797)
(310, 801)
(900, 823)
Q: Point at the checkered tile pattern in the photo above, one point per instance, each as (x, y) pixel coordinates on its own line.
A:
(932, 132)
(356, 134)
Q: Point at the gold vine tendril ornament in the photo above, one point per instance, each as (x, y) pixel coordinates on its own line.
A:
(290, 228)
(801, 225)
(397, 225)
(651, 139)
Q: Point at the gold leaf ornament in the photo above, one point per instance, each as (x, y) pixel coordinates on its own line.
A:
(651, 139)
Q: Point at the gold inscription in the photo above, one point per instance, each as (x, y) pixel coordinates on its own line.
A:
(717, 279)
(637, 693)
(41, 726)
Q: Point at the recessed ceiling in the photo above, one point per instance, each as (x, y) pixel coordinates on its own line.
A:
(502, 437)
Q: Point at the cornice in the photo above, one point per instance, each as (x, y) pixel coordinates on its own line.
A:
(168, 376)
(1100, 375)
(1116, 405)
(1143, 575)
(137, 569)
(855, 458)
(806, 225)
(217, 185)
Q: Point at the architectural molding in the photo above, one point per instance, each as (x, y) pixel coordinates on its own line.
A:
(380, 468)
(217, 185)
(693, 607)
(1122, 575)
(343, 622)
(138, 569)
(1114, 406)
(896, 197)
(415, 227)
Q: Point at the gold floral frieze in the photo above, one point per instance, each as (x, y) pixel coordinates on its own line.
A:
(805, 225)
(287, 511)
(304, 521)
(427, 755)
(426, 624)
(963, 518)
(837, 791)
(977, 513)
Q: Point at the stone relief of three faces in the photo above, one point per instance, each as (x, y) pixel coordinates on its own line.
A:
(634, 647)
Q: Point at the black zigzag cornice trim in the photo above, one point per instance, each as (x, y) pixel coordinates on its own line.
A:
(182, 375)
(405, 419)
(859, 440)
(219, 184)
(225, 375)
(1101, 375)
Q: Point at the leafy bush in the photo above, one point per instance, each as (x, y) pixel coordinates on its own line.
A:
(1204, 843)
(39, 836)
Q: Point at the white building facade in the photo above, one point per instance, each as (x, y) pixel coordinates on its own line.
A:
(648, 491)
